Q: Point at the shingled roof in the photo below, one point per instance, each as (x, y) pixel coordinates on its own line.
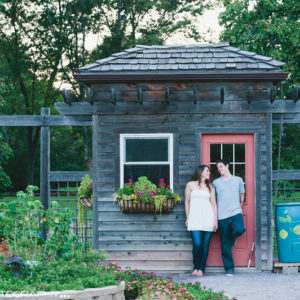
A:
(197, 58)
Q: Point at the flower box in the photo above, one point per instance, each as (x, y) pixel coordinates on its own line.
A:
(136, 206)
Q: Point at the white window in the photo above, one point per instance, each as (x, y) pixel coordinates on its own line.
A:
(148, 155)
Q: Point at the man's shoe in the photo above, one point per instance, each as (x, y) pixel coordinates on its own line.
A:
(229, 272)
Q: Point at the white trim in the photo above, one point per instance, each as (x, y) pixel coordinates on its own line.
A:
(168, 136)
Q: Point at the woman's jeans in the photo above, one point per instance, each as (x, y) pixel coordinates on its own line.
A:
(201, 241)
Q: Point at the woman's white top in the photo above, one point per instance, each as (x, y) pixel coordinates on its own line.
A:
(201, 215)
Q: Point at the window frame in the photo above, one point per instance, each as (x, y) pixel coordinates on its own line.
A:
(168, 136)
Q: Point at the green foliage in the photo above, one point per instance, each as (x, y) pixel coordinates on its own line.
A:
(267, 27)
(5, 153)
(145, 191)
(86, 187)
(143, 285)
(85, 190)
(58, 263)
(128, 23)
(58, 275)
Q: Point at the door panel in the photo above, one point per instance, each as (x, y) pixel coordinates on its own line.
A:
(239, 150)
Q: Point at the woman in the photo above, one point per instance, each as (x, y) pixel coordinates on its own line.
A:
(201, 215)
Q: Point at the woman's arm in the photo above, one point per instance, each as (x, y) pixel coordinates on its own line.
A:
(213, 202)
(187, 195)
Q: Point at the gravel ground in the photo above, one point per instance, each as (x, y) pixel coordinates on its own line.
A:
(248, 285)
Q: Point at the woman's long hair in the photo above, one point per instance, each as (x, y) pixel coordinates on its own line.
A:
(198, 174)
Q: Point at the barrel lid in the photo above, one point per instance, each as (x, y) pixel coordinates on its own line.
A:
(288, 204)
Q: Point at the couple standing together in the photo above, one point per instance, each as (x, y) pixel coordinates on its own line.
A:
(209, 207)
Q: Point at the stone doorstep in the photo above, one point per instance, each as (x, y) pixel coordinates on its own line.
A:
(114, 292)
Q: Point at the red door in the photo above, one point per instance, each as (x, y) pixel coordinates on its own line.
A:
(239, 149)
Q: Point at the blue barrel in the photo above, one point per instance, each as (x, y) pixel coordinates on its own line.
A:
(288, 232)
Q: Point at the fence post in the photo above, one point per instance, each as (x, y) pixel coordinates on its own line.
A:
(45, 163)
(95, 183)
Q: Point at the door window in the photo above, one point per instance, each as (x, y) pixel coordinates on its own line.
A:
(235, 153)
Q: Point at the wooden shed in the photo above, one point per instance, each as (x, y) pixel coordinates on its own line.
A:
(180, 106)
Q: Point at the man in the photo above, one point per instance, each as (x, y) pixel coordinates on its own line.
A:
(230, 194)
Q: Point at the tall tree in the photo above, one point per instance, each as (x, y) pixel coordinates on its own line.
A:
(125, 23)
(269, 28)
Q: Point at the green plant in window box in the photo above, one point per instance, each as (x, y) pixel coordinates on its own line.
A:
(143, 196)
(85, 198)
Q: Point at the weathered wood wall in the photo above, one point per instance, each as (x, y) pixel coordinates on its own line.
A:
(161, 242)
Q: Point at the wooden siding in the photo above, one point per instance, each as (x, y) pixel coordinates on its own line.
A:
(161, 242)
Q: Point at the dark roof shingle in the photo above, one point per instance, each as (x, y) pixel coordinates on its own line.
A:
(195, 58)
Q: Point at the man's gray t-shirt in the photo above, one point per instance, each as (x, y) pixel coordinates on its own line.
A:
(228, 196)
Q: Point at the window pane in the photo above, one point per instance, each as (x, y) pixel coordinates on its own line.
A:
(153, 172)
(215, 152)
(214, 174)
(240, 152)
(228, 152)
(146, 150)
(240, 171)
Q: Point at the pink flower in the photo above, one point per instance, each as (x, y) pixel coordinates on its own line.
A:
(161, 179)
(130, 180)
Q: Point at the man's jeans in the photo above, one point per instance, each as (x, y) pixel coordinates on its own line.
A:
(200, 248)
(230, 229)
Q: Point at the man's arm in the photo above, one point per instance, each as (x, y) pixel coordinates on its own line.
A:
(242, 199)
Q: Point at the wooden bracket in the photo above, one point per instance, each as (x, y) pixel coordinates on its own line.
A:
(195, 95)
(249, 94)
(167, 93)
(113, 96)
(272, 93)
(139, 94)
(222, 95)
(296, 93)
(69, 97)
(90, 95)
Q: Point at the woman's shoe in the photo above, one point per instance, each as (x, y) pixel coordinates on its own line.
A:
(199, 273)
(195, 273)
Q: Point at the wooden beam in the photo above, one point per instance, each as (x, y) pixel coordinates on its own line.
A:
(287, 118)
(148, 107)
(56, 176)
(95, 176)
(45, 120)
(249, 94)
(222, 95)
(286, 175)
(139, 95)
(45, 166)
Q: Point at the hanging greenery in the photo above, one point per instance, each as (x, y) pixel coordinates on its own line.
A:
(85, 199)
